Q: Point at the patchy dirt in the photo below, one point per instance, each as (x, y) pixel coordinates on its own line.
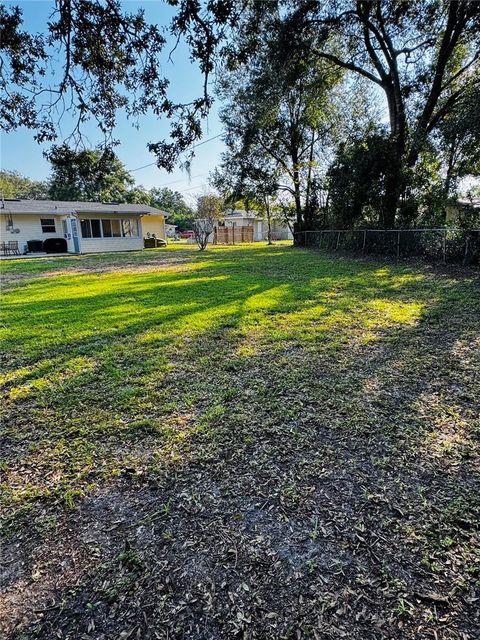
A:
(322, 489)
(135, 262)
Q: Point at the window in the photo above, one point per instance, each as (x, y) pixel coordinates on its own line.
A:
(86, 228)
(48, 225)
(116, 231)
(92, 228)
(134, 228)
(130, 228)
(96, 229)
(126, 228)
(107, 228)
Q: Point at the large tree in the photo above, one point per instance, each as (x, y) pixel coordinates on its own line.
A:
(95, 58)
(173, 203)
(250, 181)
(90, 174)
(421, 57)
(278, 108)
(14, 185)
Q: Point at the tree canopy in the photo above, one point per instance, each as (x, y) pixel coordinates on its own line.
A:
(280, 64)
(14, 185)
(89, 174)
(173, 203)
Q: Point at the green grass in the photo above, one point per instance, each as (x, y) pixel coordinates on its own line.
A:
(139, 367)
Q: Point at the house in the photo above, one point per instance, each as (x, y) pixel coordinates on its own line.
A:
(171, 230)
(245, 226)
(464, 210)
(238, 226)
(51, 226)
(154, 224)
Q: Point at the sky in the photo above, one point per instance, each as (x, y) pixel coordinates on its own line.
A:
(19, 151)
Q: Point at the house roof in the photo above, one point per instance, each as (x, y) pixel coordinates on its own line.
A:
(469, 202)
(64, 206)
(240, 213)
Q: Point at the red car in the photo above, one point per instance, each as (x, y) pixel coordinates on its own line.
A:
(187, 234)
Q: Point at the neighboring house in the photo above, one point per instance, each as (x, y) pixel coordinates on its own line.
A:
(464, 209)
(77, 227)
(239, 226)
(170, 230)
(280, 230)
(245, 226)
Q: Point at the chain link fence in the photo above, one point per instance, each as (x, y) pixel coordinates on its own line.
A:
(438, 245)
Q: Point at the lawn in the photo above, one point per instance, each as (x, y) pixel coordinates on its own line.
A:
(249, 442)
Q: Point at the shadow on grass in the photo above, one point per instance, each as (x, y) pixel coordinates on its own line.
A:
(282, 407)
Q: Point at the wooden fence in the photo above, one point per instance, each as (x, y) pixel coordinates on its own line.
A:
(233, 235)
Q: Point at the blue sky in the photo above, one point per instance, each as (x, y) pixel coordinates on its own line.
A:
(21, 153)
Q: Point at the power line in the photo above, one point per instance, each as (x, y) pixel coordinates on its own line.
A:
(166, 184)
(194, 146)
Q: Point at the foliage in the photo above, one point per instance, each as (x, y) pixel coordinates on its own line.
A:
(90, 175)
(174, 204)
(459, 140)
(14, 185)
(209, 209)
(358, 181)
(282, 60)
(275, 117)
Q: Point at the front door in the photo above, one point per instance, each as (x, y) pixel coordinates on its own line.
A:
(76, 243)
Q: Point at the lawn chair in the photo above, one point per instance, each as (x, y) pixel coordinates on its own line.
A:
(3, 248)
(13, 247)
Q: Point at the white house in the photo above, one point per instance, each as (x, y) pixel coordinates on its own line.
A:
(239, 218)
(52, 226)
(245, 226)
(170, 230)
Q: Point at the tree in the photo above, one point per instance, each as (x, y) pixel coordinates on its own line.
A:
(174, 204)
(14, 185)
(420, 55)
(358, 181)
(209, 208)
(90, 175)
(248, 179)
(459, 140)
(276, 116)
(110, 61)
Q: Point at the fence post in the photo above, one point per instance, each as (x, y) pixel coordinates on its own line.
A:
(364, 240)
(444, 246)
(398, 244)
(467, 241)
(338, 241)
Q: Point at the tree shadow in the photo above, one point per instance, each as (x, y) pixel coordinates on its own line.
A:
(299, 467)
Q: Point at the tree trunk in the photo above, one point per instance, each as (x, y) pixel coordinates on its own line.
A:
(269, 220)
(298, 201)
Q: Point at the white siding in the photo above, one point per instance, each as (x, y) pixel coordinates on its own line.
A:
(97, 245)
(30, 229)
(239, 222)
